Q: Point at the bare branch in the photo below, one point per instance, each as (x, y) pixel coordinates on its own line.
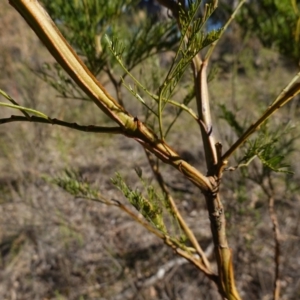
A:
(203, 106)
(274, 220)
(276, 289)
(86, 128)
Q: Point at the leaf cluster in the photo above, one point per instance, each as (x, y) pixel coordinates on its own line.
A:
(193, 39)
(154, 207)
(271, 146)
(150, 207)
(73, 183)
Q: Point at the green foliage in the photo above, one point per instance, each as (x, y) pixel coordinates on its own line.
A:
(276, 23)
(155, 208)
(73, 183)
(192, 27)
(151, 207)
(149, 38)
(83, 23)
(130, 45)
(270, 147)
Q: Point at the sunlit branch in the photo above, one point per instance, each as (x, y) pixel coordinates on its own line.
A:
(280, 101)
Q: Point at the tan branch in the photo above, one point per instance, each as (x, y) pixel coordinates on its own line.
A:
(215, 166)
(280, 101)
(203, 106)
(276, 289)
(274, 220)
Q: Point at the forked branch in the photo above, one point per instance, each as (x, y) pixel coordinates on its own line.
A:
(214, 164)
(44, 27)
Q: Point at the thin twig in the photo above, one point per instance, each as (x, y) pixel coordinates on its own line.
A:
(274, 220)
(287, 88)
(13, 101)
(166, 239)
(279, 102)
(276, 290)
(203, 106)
(86, 128)
(175, 8)
(156, 98)
(176, 212)
(115, 83)
(214, 44)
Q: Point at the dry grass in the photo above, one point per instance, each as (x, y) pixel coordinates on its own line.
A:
(53, 246)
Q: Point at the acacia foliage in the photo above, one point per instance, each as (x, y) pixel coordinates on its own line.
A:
(276, 23)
